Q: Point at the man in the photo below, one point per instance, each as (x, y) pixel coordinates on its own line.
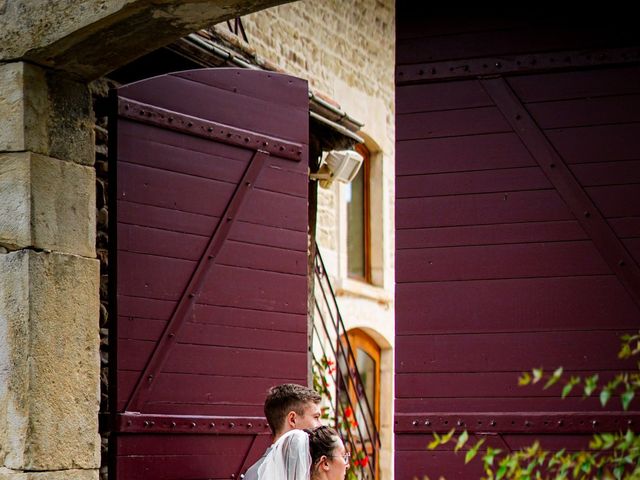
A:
(288, 407)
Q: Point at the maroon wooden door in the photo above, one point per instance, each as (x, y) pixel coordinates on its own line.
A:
(517, 231)
(211, 267)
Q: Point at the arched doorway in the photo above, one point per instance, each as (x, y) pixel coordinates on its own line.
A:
(364, 396)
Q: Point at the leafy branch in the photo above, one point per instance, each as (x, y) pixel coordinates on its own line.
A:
(625, 385)
(610, 455)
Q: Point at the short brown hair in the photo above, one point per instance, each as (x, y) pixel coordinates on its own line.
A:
(285, 398)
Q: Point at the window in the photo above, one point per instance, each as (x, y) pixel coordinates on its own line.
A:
(358, 216)
(364, 398)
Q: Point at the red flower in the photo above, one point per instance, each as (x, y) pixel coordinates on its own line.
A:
(364, 461)
(348, 412)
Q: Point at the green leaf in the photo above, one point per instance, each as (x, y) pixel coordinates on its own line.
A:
(605, 395)
(537, 374)
(608, 440)
(491, 455)
(473, 451)
(435, 442)
(462, 439)
(501, 471)
(554, 378)
(626, 398)
(590, 384)
(567, 390)
(447, 436)
(524, 379)
(618, 471)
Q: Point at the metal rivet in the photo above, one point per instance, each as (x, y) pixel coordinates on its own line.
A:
(189, 124)
(150, 377)
(171, 119)
(527, 423)
(212, 425)
(560, 422)
(229, 219)
(129, 422)
(210, 257)
(191, 295)
(415, 423)
(171, 335)
(193, 424)
(427, 423)
(249, 425)
(152, 423)
(594, 423)
(146, 423)
(281, 148)
(460, 423)
(629, 422)
(492, 423)
(498, 65)
(126, 107)
(209, 129)
(173, 424)
(587, 214)
(248, 184)
(231, 425)
(246, 139)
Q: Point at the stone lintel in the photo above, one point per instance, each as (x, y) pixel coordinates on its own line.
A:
(49, 363)
(45, 112)
(46, 203)
(93, 37)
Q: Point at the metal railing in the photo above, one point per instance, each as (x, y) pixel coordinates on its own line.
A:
(337, 377)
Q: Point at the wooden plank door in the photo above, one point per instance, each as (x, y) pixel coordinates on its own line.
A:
(517, 227)
(210, 202)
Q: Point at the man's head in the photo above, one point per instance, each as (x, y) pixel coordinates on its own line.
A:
(290, 406)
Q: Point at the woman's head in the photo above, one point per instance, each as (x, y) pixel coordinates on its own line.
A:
(329, 459)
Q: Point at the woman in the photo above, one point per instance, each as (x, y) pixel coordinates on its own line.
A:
(317, 454)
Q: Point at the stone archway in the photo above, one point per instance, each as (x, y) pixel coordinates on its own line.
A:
(49, 276)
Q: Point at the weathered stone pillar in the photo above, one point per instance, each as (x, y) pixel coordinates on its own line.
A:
(49, 278)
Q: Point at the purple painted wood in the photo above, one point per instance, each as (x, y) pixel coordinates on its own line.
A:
(577, 84)
(496, 269)
(447, 123)
(510, 233)
(484, 181)
(514, 305)
(184, 200)
(460, 154)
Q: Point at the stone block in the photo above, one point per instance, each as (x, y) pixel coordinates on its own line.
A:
(45, 112)
(47, 203)
(22, 108)
(15, 200)
(60, 475)
(49, 362)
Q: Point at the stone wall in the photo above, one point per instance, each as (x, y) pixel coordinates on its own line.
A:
(346, 51)
(48, 277)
